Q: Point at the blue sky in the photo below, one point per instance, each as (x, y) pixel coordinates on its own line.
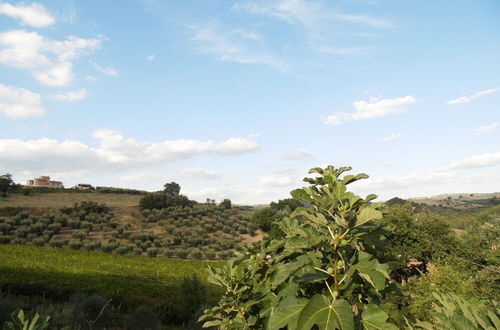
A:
(238, 99)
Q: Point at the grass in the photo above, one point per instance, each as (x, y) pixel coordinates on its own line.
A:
(129, 280)
(41, 200)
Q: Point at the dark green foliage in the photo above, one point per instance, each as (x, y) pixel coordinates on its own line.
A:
(288, 204)
(195, 296)
(171, 189)
(415, 238)
(6, 184)
(226, 203)
(91, 312)
(268, 218)
(179, 200)
(160, 201)
(322, 273)
(143, 318)
(7, 307)
(264, 218)
(112, 190)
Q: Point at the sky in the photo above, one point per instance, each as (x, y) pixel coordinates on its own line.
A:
(239, 99)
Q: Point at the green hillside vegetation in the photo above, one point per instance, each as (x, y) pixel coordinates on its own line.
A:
(53, 200)
(129, 281)
(197, 231)
(345, 263)
(396, 264)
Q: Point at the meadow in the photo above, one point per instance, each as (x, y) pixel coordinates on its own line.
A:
(65, 199)
(129, 281)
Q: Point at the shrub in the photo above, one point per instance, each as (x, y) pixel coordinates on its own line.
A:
(38, 241)
(196, 254)
(75, 244)
(91, 245)
(194, 295)
(143, 317)
(121, 250)
(181, 253)
(18, 241)
(58, 242)
(4, 239)
(89, 312)
(210, 255)
(152, 252)
(7, 307)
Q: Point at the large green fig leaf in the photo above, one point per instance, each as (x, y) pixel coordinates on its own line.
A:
(301, 195)
(286, 313)
(373, 318)
(367, 214)
(326, 314)
(372, 271)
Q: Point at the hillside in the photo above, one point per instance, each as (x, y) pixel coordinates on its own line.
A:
(65, 199)
(460, 201)
(114, 223)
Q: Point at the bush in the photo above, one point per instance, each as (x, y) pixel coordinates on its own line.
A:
(38, 241)
(196, 254)
(143, 317)
(152, 252)
(75, 244)
(152, 201)
(90, 312)
(7, 307)
(58, 242)
(121, 250)
(194, 295)
(5, 239)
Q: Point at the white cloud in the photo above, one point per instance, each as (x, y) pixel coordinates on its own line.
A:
(34, 15)
(57, 75)
(274, 180)
(71, 96)
(427, 183)
(197, 173)
(49, 61)
(321, 21)
(19, 102)
(486, 129)
(466, 99)
(481, 160)
(237, 194)
(298, 154)
(114, 153)
(372, 109)
(150, 57)
(389, 138)
(108, 70)
(90, 78)
(231, 45)
(305, 12)
(152, 180)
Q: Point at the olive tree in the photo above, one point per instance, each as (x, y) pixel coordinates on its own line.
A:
(6, 184)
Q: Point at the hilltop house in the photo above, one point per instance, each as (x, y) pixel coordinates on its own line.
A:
(44, 182)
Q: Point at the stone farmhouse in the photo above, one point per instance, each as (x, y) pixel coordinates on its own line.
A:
(44, 182)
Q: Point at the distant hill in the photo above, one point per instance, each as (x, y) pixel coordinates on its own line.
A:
(460, 201)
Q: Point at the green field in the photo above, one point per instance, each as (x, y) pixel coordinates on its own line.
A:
(58, 200)
(129, 280)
